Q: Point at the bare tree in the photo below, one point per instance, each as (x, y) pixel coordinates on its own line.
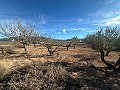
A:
(67, 45)
(35, 38)
(19, 31)
(50, 42)
(74, 41)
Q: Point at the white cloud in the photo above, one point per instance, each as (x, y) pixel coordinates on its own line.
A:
(80, 20)
(106, 17)
(110, 1)
(42, 19)
(64, 30)
(63, 20)
(110, 22)
(59, 32)
(68, 20)
(70, 30)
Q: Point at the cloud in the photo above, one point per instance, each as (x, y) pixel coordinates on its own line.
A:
(59, 32)
(62, 20)
(64, 31)
(106, 16)
(68, 20)
(110, 21)
(70, 30)
(79, 20)
(110, 1)
(106, 19)
(42, 19)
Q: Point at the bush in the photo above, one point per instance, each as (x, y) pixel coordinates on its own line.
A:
(19, 45)
(38, 77)
(7, 50)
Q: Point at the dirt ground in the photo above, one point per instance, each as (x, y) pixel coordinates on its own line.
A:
(80, 55)
(81, 62)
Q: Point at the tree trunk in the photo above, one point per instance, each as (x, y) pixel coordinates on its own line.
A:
(74, 46)
(34, 45)
(25, 48)
(107, 53)
(117, 65)
(118, 62)
(103, 60)
(50, 51)
(67, 48)
(56, 48)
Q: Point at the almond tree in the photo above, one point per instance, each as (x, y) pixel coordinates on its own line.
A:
(36, 38)
(19, 31)
(74, 41)
(49, 44)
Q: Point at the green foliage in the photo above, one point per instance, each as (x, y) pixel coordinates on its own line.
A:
(75, 40)
(111, 36)
(118, 44)
(96, 41)
(105, 39)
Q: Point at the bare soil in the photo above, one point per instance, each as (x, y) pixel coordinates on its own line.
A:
(82, 63)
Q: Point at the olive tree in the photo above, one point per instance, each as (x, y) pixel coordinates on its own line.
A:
(104, 41)
(118, 50)
(19, 31)
(111, 36)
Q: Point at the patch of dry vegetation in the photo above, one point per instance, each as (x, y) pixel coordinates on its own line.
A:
(60, 76)
(76, 69)
(36, 76)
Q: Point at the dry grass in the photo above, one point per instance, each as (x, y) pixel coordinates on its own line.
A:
(80, 69)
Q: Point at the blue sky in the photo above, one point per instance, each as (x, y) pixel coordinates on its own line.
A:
(63, 18)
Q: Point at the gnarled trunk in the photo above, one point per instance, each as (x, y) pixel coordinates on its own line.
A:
(25, 48)
(117, 64)
(34, 45)
(74, 46)
(51, 51)
(68, 46)
(107, 53)
(105, 62)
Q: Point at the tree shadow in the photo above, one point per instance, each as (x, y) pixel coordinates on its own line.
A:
(84, 57)
(5, 79)
(78, 55)
(86, 77)
(27, 56)
(89, 77)
(61, 63)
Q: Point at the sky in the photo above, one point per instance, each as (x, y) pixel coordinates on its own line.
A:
(63, 19)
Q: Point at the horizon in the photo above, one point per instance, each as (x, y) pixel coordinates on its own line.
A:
(63, 19)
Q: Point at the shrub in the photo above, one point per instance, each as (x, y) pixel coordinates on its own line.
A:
(38, 77)
(7, 50)
(19, 45)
